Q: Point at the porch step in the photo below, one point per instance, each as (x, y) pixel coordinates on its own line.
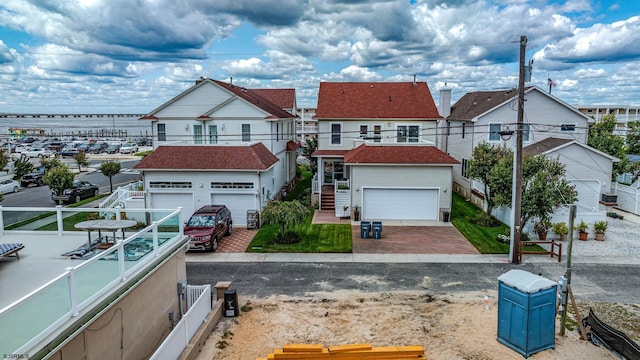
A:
(328, 201)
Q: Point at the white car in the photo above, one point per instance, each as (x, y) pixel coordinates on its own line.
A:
(37, 152)
(129, 148)
(9, 186)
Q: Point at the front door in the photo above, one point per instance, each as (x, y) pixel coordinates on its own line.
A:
(333, 170)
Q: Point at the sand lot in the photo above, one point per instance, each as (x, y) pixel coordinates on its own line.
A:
(459, 326)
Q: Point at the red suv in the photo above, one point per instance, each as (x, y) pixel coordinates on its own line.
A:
(207, 226)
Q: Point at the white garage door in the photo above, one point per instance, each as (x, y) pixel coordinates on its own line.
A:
(172, 201)
(400, 204)
(238, 204)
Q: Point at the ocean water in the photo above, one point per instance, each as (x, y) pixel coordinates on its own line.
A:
(78, 125)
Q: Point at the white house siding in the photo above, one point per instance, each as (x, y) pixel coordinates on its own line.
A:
(351, 131)
(404, 177)
(584, 164)
(541, 112)
(195, 103)
(201, 193)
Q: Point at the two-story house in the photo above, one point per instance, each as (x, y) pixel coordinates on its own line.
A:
(376, 152)
(551, 127)
(219, 143)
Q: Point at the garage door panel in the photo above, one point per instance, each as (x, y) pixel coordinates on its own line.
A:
(238, 204)
(400, 204)
(173, 201)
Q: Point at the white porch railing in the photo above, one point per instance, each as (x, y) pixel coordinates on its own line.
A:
(342, 198)
(122, 193)
(173, 346)
(315, 184)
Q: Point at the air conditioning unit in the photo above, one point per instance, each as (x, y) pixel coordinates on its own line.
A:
(609, 198)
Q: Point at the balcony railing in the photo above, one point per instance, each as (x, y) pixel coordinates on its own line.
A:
(39, 315)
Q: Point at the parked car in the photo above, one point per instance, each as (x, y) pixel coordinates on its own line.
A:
(34, 178)
(68, 152)
(37, 152)
(207, 226)
(113, 149)
(128, 148)
(80, 190)
(9, 186)
(97, 148)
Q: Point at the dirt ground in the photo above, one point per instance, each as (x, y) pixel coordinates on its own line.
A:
(458, 326)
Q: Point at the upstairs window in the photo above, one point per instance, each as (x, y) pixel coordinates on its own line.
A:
(568, 127)
(494, 132)
(246, 132)
(213, 134)
(408, 134)
(198, 138)
(526, 132)
(336, 134)
(162, 132)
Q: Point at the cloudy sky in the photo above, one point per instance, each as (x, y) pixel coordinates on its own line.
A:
(130, 56)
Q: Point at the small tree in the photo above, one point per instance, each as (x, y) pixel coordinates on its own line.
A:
(4, 160)
(81, 160)
(58, 179)
(22, 166)
(307, 149)
(285, 214)
(110, 168)
(487, 165)
(601, 137)
(50, 162)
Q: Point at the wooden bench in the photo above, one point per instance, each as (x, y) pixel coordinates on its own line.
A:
(556, 248)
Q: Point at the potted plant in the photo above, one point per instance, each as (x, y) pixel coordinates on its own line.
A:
(561, 229)
(582, 230)
(599, 227)
(541, 228)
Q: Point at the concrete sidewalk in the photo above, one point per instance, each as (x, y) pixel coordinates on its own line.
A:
(400, 258)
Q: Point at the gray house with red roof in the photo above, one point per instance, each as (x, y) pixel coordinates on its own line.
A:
(219, 143)
(376, 152)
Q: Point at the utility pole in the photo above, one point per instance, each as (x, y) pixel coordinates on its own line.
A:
(516, 201)
(565, 281)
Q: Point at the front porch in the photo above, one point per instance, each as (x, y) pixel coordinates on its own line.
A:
(335, 197)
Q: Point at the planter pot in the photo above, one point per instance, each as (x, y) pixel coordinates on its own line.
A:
(542, 236)
(600, 236)
(563, 237)
(583, 236)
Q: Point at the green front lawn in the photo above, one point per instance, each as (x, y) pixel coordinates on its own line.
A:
(316, 238)
(482, 238)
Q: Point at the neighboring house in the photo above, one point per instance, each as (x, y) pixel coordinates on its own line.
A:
(223, 119)
(551, 127)
(376, 152)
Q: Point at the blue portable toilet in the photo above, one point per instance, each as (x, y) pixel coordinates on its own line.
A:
(526, 312)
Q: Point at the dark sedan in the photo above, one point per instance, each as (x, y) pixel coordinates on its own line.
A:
(80, 190)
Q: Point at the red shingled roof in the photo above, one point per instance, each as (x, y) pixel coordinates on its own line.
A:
(285, 98)
(398, 154)
(375, 100)
(256, 99)
(203, 157)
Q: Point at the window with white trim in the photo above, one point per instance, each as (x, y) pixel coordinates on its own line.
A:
(494, 132)
(526, 132)
(407, 133)
(246, 132)
(377, 133)
(198, 137)
(568, 127)
(170, 184)
(162, 132)
(336, 133)
(465, 167)
(231, 185)
(213, 134)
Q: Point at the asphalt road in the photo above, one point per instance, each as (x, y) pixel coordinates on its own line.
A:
(606, 283)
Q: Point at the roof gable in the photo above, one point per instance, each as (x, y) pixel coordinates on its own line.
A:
(209, 157)
(273, 111)
(549, 145)
(398, 155)
(375, 100)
